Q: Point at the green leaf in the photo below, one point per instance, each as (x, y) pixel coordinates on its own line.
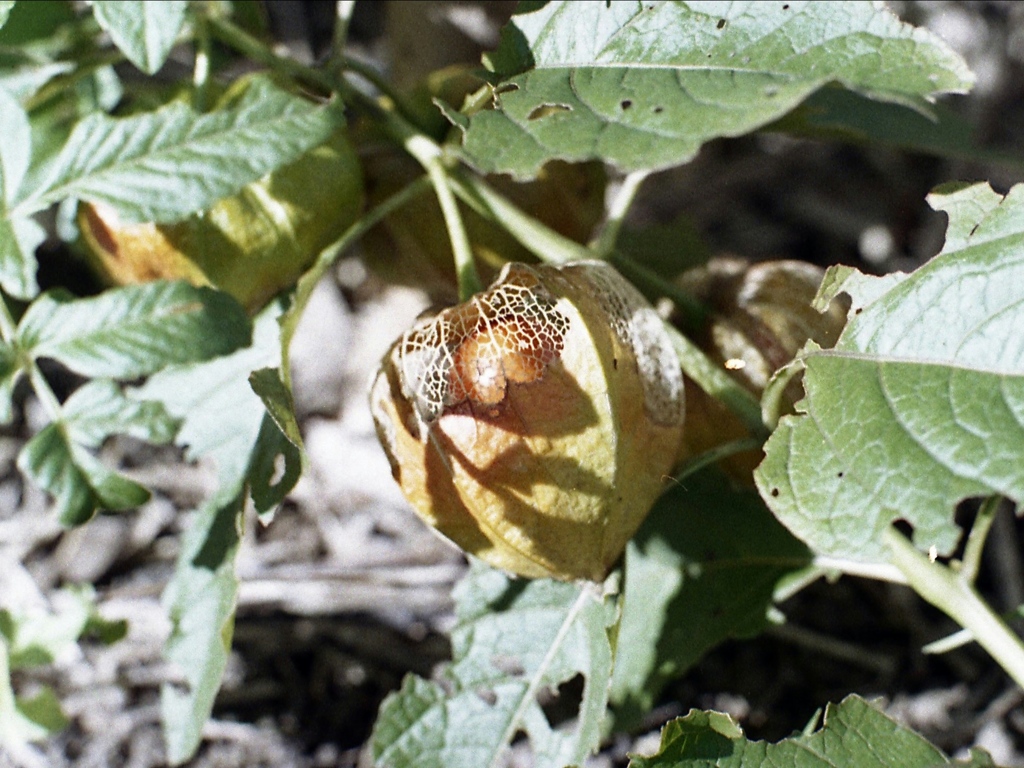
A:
(9, 373)
(58, 459)
(921, 403)
(167, 164)
(37, 636)
(16, 147)
(277, 460)
(78, 481)
(702, 569)
(144, 31)
(23, 720)
(275, 469)
(514, 639)
(644, 85)
(277, 399)
(854, 733)
(835, 113)
(134, 330)
(5, 10)
(19, 238)
(222, 419)
(99, 409)
(34, 637)
(200, 601)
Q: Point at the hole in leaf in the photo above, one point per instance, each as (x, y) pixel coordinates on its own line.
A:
(280, 464)
(548, 109)
(785, 6)
(615, 363)
(775, 492)
(840, 474)
(658, 110)
(904, 527)
(625, 104)
(506, 88)
(487, 696)
(562, 705)
(721, 24)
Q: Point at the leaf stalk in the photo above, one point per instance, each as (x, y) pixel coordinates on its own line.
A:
(946, 590)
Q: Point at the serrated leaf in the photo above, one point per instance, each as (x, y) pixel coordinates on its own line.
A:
(921, 403)
(133, 330)
(167, 164)
(644, 85)
(223, 419)
(702, 569)
(16, 147)
(19, 238)
(853, 733)
(514, 638)
(200, 601)
(99, 409)
(220, 415)
(78, 481)
(144, 31)
(58, 459)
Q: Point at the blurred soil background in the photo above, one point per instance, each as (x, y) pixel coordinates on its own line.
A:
(346, 591)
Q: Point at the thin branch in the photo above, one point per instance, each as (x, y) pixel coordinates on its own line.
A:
(943, 588)
(617, 211)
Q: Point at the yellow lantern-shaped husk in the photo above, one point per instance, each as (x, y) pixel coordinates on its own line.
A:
(535, 424)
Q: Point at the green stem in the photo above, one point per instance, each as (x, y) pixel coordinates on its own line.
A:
(304, 289)
(342, 18)
(617, 211)
(943, 588)
(717, 383)
(429, 156)
(373, 77)
(717, 453)
(201, 69)
(254, 49)
(541, 240)
(553, 248)
(43, 391)
(58, 87)
(549, 246)
(876, 571)
(976, 538)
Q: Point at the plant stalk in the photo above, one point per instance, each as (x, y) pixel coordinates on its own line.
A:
(943, 588)
(971, 562)
(304, 289)
(342, 18)
(617, 211)
(201, 68)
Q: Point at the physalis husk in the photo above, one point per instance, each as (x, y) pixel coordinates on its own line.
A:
(535, 424)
